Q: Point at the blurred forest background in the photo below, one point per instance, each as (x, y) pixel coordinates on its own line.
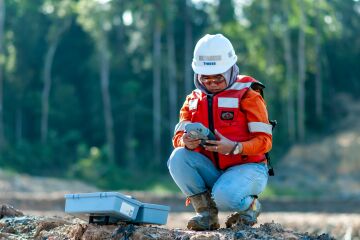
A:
(91, 89)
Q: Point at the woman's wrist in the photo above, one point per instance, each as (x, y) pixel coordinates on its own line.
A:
(237, 149)
(233, 149)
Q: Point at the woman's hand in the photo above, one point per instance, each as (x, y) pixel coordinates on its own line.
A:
(223, 145)
(189, 142)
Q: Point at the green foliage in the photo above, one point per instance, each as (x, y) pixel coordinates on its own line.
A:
(92, 165)
(272, 192)
(93, 168)
(35, 158)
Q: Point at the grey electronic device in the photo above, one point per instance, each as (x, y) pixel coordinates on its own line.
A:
(199, 131)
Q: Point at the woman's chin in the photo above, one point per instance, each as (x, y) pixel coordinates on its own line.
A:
(215, 90)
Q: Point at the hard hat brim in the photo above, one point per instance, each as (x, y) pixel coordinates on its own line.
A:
(212, 70)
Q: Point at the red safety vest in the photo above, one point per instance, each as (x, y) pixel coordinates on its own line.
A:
(222, 112)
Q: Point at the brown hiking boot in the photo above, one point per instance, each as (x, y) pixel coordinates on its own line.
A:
(206, 213)
(9, 211)
(248, 217)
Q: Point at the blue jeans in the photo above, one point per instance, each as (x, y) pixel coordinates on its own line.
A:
(231, 189)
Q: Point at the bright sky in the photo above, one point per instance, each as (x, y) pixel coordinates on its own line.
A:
(127, 18)
(238, 4)
(199, 1)
(103, 1)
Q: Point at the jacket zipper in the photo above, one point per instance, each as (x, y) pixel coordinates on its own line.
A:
(211, 124)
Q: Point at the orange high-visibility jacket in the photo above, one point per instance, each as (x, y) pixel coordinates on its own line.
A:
(239, 113)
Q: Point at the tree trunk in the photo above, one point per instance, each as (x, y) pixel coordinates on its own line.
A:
(318, 76)
(157, 90)
(132, 162)
(270, 56)
(172, 88)
(18, 126)
(129, 160)
(2, 23)
(46, 89)
(302, 71)
(188, 48)
(49, 59)
(318, 81)
(290, 108)
(120, 34)
(104, 82)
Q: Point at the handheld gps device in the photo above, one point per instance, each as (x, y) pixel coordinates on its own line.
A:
(199, 131)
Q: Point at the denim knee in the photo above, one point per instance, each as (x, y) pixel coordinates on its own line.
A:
(227, 200)
(222, 197)
(178, 156)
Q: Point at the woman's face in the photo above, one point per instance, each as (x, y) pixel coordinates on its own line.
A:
(213, 83)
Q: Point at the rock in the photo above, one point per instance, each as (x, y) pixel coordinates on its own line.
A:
(95, 232)
(206, 236)
(9, 211)
(290, 236)
(48, 225)
(77, 231)
(240, 235)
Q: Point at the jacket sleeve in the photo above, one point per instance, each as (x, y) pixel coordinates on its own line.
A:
(254, 107)
(185, 117)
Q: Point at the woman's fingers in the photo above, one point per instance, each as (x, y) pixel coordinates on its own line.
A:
(222, 146)
(191, 143)
(213, 142)
(219, 134)
(212, 148)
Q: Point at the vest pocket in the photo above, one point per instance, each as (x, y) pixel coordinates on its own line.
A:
(228, 117)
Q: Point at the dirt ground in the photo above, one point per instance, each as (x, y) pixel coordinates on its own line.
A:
(314, 219)
(339, 226)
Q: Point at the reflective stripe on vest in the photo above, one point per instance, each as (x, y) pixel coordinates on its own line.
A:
(228, 102)
(239, 86)
(260, 127)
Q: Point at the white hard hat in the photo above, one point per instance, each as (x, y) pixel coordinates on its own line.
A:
(213, 54)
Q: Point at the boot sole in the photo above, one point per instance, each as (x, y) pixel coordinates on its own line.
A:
(196, 227)
(239, 219)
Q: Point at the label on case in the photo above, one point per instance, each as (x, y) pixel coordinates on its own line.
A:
(126, 209)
